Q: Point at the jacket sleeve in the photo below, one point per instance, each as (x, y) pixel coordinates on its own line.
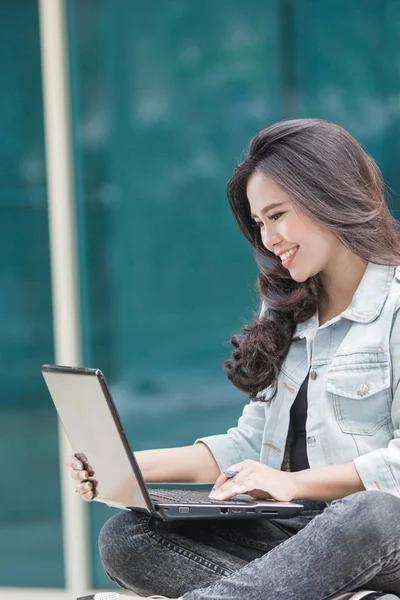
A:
(241, 442)
(380, 469)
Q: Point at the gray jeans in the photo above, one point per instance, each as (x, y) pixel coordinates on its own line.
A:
(320, 554)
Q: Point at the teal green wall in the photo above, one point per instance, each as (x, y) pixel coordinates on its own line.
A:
(165, 97)
(347, 70)
(30, 515)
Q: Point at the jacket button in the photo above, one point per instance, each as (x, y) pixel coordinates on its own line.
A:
(362, 389)
(313, 374)
(311, 440)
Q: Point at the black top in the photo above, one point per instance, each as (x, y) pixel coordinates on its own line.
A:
(298, 417)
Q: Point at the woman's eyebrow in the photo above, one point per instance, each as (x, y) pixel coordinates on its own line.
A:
(267, 208)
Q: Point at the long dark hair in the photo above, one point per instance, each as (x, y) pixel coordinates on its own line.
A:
(329, 177)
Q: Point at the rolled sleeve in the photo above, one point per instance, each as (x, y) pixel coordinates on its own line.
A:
(380, 470)
(241, 442)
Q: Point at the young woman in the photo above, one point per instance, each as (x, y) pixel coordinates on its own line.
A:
(321, 366)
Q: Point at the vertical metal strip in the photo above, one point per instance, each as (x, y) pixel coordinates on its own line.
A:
(64, 267)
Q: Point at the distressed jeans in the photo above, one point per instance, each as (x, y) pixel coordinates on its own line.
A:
(319, 554)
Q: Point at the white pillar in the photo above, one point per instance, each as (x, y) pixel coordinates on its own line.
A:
(64, 267)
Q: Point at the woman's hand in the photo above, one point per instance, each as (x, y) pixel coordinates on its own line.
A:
(257, 480)
(81, 471)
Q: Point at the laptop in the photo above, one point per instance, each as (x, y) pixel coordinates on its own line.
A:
(93, 427)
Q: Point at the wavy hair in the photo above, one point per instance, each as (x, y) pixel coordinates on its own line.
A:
(330, 178)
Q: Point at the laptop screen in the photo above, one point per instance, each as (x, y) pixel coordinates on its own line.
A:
(92, 426)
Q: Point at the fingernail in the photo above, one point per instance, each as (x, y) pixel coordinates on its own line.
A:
(88, 486)
(78, 466)
(212, 495)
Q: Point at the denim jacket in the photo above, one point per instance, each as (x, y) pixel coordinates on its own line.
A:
(353, 362)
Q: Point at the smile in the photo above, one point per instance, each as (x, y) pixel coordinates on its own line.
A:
(286, 255)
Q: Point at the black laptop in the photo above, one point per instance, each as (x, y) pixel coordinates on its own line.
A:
(93, 427)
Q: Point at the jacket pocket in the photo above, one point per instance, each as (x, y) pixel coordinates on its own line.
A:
(359, 385)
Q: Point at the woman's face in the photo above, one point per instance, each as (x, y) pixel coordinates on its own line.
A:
(284, 227)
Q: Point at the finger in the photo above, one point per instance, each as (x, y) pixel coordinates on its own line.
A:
(241, 484)
(228, 474)
(219, 481)
(94, 490)
(84, 460)
(73, 463)
(90, 470)
(88, 496)
(84, 487)
(91, 493)
(229, 492)
(80, 456)
(81, 475)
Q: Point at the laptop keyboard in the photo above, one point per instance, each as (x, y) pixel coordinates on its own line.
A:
(191, 497)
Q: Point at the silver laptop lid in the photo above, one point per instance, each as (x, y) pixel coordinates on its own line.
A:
(93, 428)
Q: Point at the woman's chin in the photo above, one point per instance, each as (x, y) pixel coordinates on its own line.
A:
(298, 276)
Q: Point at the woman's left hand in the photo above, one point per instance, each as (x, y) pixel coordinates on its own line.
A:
(257, 480)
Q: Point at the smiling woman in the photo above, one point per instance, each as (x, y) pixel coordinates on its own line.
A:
(321, 364)
(306, 197)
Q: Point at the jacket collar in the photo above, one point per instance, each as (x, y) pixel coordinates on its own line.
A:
(371, 294)
(368, 300)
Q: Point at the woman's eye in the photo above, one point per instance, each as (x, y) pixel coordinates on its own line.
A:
(258, 224)
(275, 217)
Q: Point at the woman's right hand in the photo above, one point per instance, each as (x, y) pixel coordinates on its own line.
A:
(83, 474)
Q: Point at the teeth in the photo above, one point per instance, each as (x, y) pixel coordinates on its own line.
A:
(286, 255)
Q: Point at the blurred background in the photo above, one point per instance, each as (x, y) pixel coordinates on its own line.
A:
(164, 97)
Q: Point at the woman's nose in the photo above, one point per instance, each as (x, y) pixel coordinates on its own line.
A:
(270, 240)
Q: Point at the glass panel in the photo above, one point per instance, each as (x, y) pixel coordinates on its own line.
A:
(347, 56)
(165, 101)
(31, 536)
